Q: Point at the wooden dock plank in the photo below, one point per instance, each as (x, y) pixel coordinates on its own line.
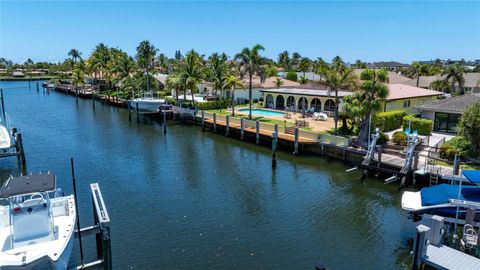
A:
(444, 257)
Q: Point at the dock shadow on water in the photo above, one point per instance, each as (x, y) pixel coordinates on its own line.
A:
(189, 199)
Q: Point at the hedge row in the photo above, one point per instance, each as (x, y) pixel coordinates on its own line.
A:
(214, 105)
(387, 121)
(422, 126)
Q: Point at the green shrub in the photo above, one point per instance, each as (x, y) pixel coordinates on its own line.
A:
(399, 137)
(291, 76)
(457, 145)
(387, 121)
(422, 126)
(214, 105)
(383, 138)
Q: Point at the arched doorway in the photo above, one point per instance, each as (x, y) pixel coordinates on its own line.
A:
(291, 102)
(280, 102)
(302, 101)
(269, 101)
(316, 104)
(329, 105)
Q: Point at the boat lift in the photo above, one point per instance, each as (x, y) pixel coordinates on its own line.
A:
(370, 152)
(407, 168)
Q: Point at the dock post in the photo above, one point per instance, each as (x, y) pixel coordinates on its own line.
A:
(322, 147)
(214, 122)
(93, 104)
(274, 149)
(295, 143)
(164, 122)
(203, 120)
(38, 88)
(3, 104)
(136, 108)
(227, 123)
(242, 133)
(29, 86)
(18, 138)
(275, 128)
(257, 132)
(419, 246)
(379, 152)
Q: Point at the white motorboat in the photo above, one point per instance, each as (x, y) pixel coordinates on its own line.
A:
(34, 228)
(5, 139)
(147, 103)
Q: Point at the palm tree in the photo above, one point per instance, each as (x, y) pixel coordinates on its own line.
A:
(174, 82)
(284, 60)
(440, 85)
(454, 75)
(78, 77)
(419, 70)
(338, 78)
(75, 54)
(338, 64)
(371, 95)
(163, 63)
(278, 82)
(145, 56)
(251, 62)
(304, 65)
(231, 82)
(218, 72)
(191, 72)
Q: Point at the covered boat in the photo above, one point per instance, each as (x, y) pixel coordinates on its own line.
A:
(34, 228)
(5, 140)
(444, 199)
(147, 103)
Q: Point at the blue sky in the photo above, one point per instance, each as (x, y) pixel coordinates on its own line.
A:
(371, 31)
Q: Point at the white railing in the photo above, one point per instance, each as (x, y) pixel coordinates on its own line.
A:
(335, 140)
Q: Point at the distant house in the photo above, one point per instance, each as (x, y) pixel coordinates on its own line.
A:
(470, 85)
(445, 113)
(390, 65)
(400, 96)
(18, 74)
(36, 73)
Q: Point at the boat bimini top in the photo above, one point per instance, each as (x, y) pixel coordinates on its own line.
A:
(28, 184)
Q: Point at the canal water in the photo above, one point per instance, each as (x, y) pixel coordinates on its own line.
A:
(195, 200)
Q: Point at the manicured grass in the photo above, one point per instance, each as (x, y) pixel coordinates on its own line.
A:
(259, 118)
(450, 165)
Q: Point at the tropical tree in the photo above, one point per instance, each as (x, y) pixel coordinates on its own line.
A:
(278, 82)
(75, 54)
(338, 64)
(360, 64)
(145, 57)
(372, 94)
(468, 126)
(98, 60)
(441, 85)
(295, 60)
(78, 77)
(304, 65)
(418, 70)
(231, 82)
(123, 66)
(338, 78)
(163, 63)
(284, 60)
(174, 82)
(250, 62)
(192, 72)
(454, 75)
(217, 70)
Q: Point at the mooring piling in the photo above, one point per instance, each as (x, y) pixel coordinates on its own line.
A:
(138, 114)
(214, 122)
(3, 104)
(76, 210)
(227, 125)
(203, 120)
(19, 148)
(164, 122)
(38, 87)
(274, 149)
(93, 103)
(257, 132)
(295, 143)
(242, 125)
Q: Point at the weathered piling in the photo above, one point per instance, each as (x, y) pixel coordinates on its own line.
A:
(242, 132)
(93, 103)
(295, 143)
(257, 132)
(203, 120)
(214, 122)
(138, 112)
(38, 87)
(379, 153)
(274, 149)
(227, 125)
(3, 104)
(19, 148)
(419, 246)
(164, 122)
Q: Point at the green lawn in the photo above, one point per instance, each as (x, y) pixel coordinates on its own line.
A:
(259, 118)
(450, 165)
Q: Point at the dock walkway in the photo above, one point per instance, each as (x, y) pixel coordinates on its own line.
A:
(444, 257)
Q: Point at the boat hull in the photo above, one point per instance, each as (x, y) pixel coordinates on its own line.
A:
(149, 105)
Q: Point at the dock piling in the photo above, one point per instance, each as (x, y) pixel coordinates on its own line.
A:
(214, 122)
(93, 103)
(19, 148)
(295, 143)
(257, 131)
(38, 87)
(419, 246)
(164, 122)
(138, 114)
(227, 127)
(203, 120)
(274, 149)
(242, 132)
(275, 128)
(379, 153)
(3, 104)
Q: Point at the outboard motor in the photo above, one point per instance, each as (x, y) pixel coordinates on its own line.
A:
(59, 193)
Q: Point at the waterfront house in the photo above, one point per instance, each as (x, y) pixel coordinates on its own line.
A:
(445, 113)
(470, 85)
(18, 73)
(400, 96)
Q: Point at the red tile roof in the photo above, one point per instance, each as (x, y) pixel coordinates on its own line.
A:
(403, 91)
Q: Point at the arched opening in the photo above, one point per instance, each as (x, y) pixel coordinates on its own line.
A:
(280, 102)
(269, 101)
(316, 105)
(291, 102)
(301, 102)
(329, 105)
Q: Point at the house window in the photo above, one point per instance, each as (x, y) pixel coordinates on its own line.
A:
(406, 103)
(446, 122)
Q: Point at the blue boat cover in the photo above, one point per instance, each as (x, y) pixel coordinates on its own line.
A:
(444, 192)
(472, 176)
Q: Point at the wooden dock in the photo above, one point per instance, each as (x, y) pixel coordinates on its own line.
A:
(444, 257)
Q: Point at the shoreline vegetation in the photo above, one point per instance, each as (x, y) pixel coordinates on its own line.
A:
(28, 78)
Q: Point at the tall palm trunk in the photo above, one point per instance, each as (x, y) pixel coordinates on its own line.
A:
(250, 97)
(193, 100)
(185, 94)
(336, 110)
(148, 80)
(233, 101)
(418, 80)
